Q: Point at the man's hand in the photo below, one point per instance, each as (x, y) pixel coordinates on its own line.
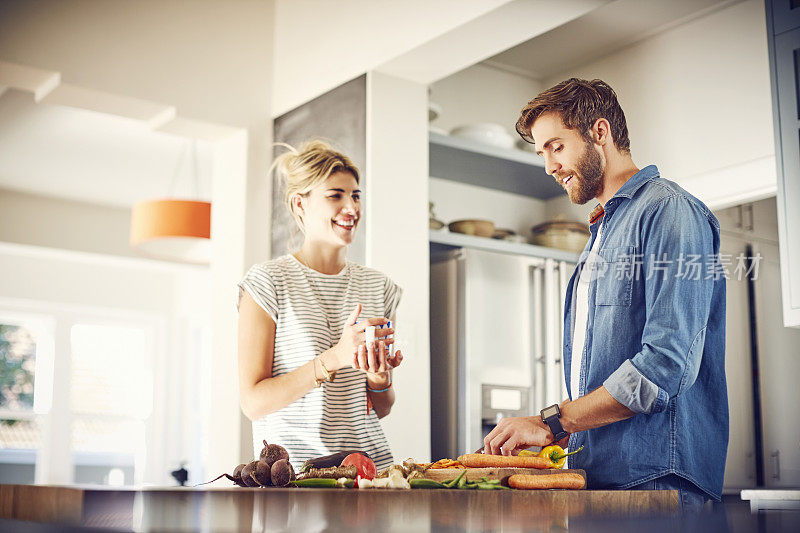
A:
(515, 433)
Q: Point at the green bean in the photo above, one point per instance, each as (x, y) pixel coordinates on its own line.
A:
(454, 481)
(423, 483)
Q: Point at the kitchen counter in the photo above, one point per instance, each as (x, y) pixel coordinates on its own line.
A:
(242, 509)
(772, 499)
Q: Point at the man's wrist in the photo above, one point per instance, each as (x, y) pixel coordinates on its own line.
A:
(567, 417)
(537, 420)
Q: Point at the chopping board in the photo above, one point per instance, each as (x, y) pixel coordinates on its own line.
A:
(476, 474)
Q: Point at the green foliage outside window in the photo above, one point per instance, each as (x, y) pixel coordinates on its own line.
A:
(17, 364)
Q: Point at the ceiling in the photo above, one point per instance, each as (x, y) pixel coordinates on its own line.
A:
(83, 155)
(600, 32)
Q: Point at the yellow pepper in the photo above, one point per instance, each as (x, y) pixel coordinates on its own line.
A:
(555, 454)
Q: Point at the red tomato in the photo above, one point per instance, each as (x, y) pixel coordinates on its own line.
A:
(364, 465)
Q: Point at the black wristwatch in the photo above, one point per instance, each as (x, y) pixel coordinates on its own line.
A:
(551, 416)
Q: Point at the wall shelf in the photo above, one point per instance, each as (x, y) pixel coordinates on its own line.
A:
(444, 239)
(502, 169)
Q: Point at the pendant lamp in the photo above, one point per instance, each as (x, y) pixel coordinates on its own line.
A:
(171, 228)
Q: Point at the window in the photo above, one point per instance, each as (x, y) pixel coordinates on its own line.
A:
(111, 396)
(20, 427)
(90, 424)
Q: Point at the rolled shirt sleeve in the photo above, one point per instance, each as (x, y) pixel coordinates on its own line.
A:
(677, 304)
(632, 389)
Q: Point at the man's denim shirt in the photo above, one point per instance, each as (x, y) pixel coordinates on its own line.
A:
(655, 339)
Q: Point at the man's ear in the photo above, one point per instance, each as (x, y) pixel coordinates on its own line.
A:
(601, 131)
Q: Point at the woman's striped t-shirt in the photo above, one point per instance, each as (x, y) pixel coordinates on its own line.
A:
(333, 417)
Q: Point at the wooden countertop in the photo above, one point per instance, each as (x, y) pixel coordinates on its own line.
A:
(270, 509)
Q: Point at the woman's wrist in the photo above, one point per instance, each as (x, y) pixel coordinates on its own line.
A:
(379, 381)
(321, 369)
(329, 358)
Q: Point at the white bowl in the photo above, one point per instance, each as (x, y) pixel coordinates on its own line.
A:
(492, 134)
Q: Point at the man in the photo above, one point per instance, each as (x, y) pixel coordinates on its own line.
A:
(644, 321)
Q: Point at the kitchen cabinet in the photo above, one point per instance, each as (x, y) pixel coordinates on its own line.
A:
(783, 39)
(754, 225)
(779, 369)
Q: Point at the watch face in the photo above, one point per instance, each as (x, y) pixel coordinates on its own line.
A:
(547, 412)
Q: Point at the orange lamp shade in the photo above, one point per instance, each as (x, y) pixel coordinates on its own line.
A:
(172, 229)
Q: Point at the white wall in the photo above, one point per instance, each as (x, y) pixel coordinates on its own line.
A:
(457, 201)
(320, 45)
(414, 40)
(212, 61)
(58, 223)
(232, 431)
(697, 101)
(482, 94)
(190, 357)
(397, 244)
(63, 277)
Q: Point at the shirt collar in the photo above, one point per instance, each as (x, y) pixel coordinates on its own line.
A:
(627, 190)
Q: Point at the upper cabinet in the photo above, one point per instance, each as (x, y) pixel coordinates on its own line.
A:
(783, 37)
(484, 165)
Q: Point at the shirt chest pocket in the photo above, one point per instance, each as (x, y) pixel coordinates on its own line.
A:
(616, 270)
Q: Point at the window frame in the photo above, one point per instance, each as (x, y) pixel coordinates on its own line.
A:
(54, 462)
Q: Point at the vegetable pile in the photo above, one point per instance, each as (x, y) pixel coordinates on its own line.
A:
(272, 468)
(355, 469)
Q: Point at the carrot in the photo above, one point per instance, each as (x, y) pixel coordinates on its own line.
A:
(482, 460)
(563, 480)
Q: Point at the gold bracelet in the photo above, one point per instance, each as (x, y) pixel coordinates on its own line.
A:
(317, 381)
(328, 375)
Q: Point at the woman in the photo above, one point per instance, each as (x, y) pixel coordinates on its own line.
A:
(307, 379)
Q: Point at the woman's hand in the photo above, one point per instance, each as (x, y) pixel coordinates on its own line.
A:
(346, 350)
(376, 361)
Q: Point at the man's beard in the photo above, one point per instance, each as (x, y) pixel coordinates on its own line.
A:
(590, 183)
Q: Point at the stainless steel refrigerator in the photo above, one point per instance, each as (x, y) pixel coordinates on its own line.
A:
(496, 329)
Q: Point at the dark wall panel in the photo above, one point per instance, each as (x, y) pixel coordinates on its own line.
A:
(339, 117)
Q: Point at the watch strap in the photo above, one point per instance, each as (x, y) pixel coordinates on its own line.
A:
(554, 423)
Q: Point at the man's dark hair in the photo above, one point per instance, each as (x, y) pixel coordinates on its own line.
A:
(579, 103)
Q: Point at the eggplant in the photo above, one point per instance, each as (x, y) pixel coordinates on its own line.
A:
(328, 461)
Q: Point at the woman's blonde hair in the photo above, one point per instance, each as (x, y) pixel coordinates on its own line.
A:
(304, 168)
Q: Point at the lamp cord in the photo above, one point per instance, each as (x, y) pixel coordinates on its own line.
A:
(192, 145)
(196, 173)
